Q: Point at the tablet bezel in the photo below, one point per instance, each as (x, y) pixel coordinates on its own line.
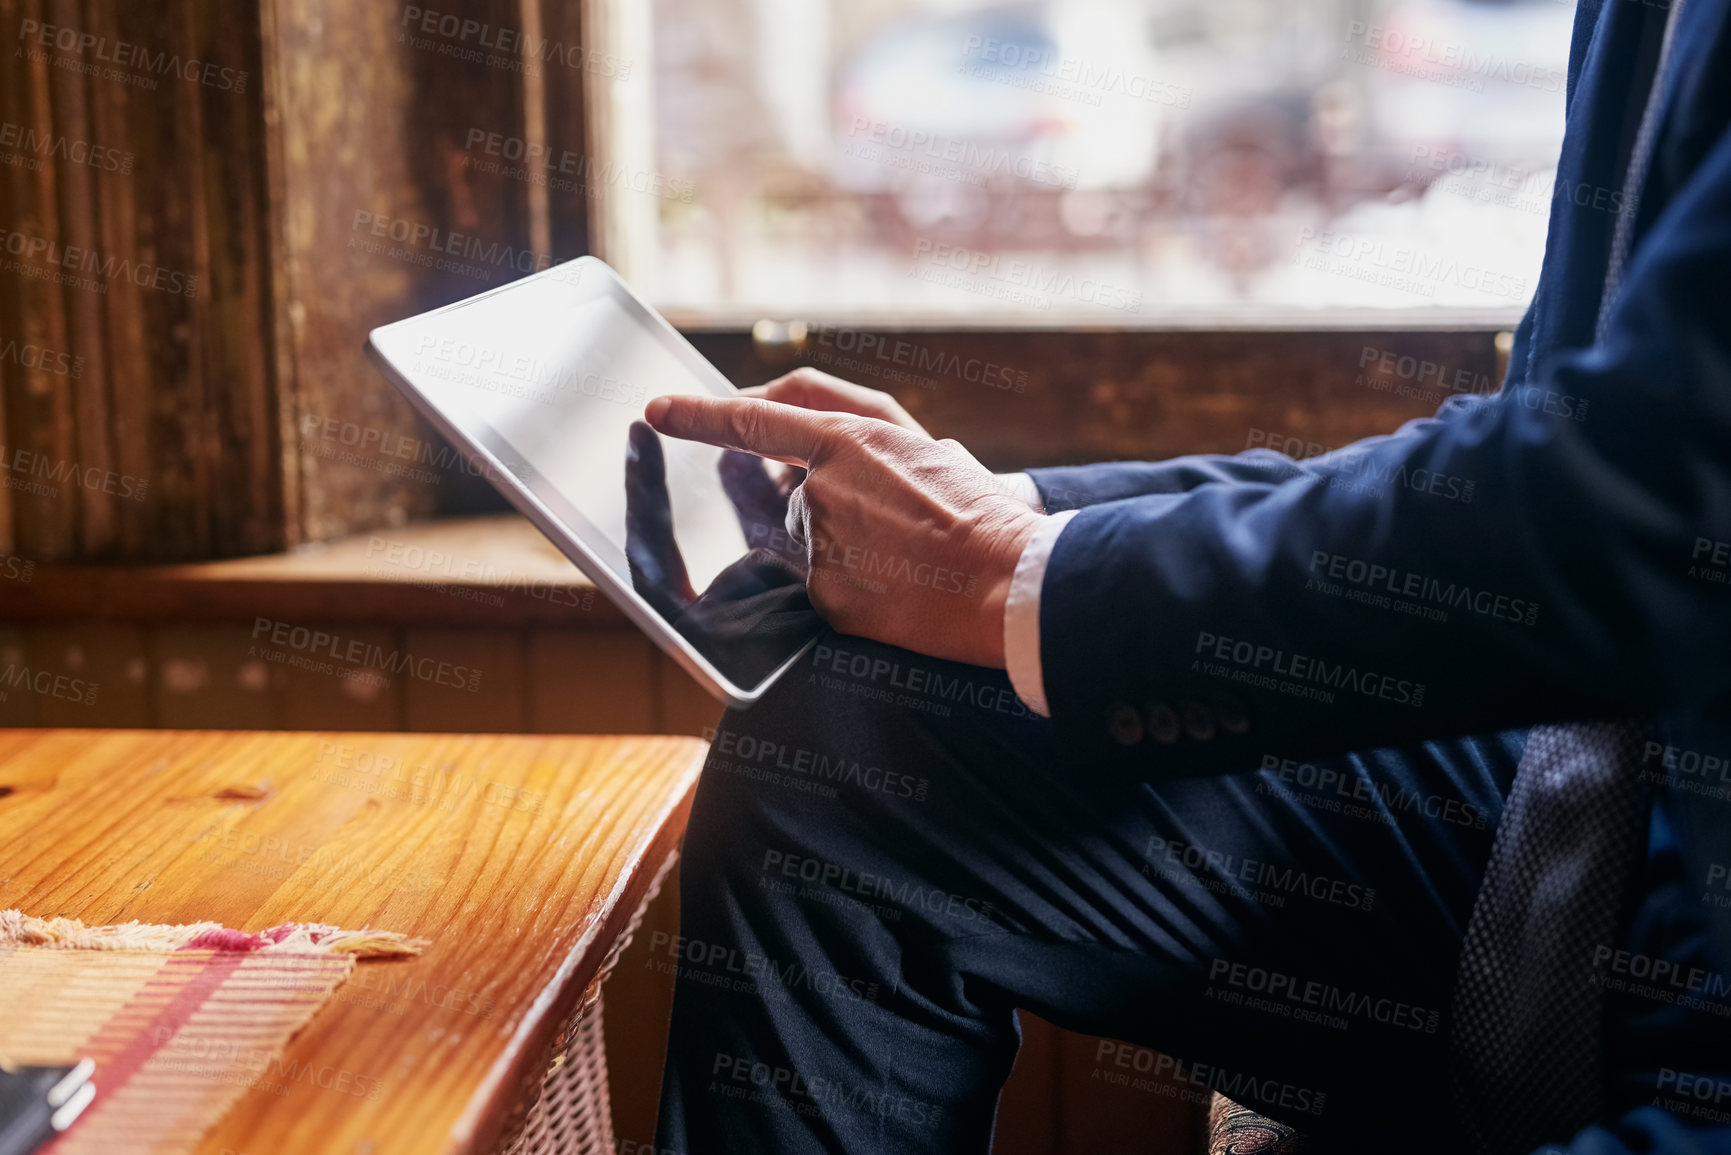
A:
(549, 511)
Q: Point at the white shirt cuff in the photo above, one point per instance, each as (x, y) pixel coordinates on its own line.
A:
(1023, 489)
(1022, 613)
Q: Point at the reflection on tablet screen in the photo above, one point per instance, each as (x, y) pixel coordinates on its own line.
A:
(558, 371)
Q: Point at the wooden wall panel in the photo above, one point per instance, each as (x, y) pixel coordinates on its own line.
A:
(1077, 396)
(388, 208)
(214, 677)
(570, 201)
(124, 352)
(149, 424)
(1151, 1113)
(1028, 1118)
(115, 659)
(348, 696)
(591, 683)
(37, 400)
(682, 706)
(17, 705)
(237, 328)
(254, 186)
(91, 440)
(167, 125)
(240, 676)
(475, 684)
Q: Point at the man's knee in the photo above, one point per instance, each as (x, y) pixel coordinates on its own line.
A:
(822, 705)
(762, 769)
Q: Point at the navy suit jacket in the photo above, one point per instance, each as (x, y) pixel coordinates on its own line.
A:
(1206, 612)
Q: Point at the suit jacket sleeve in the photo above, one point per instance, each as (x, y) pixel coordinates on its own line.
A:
(1559, 550)
(1077, 486)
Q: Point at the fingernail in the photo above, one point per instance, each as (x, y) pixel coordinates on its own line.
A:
(656, 411)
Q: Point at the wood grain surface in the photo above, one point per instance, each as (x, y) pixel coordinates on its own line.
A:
(520, 857)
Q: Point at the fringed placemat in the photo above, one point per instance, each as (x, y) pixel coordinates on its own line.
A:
(181, 1020)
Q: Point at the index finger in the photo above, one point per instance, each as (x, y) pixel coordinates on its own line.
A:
(766, 428)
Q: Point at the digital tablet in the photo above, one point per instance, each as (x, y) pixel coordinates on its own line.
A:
(542, 384)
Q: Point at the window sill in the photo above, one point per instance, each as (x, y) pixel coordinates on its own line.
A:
(476, 571)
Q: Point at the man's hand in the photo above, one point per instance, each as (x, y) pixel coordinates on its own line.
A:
(812, 389)
(911, 541)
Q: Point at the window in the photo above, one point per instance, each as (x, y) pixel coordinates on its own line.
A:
(1102, 160)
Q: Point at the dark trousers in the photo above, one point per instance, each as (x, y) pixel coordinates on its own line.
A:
(887, 859)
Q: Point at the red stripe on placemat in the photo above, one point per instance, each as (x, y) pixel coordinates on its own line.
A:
(117, 1072)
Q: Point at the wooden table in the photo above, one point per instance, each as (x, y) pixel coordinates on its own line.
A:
(521, 858)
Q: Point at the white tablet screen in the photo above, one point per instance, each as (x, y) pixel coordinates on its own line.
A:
(558, 370)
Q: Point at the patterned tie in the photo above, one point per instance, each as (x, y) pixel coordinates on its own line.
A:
(1527, 1042)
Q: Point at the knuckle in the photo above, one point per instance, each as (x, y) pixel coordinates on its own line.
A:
(853, 429)
(744, 422)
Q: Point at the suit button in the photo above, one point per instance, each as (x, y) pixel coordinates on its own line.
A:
(1125, 725)
(1198, 722)
(1234, 718)
(1163, 723)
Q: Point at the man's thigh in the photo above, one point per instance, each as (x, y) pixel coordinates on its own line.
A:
(1288, 933)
